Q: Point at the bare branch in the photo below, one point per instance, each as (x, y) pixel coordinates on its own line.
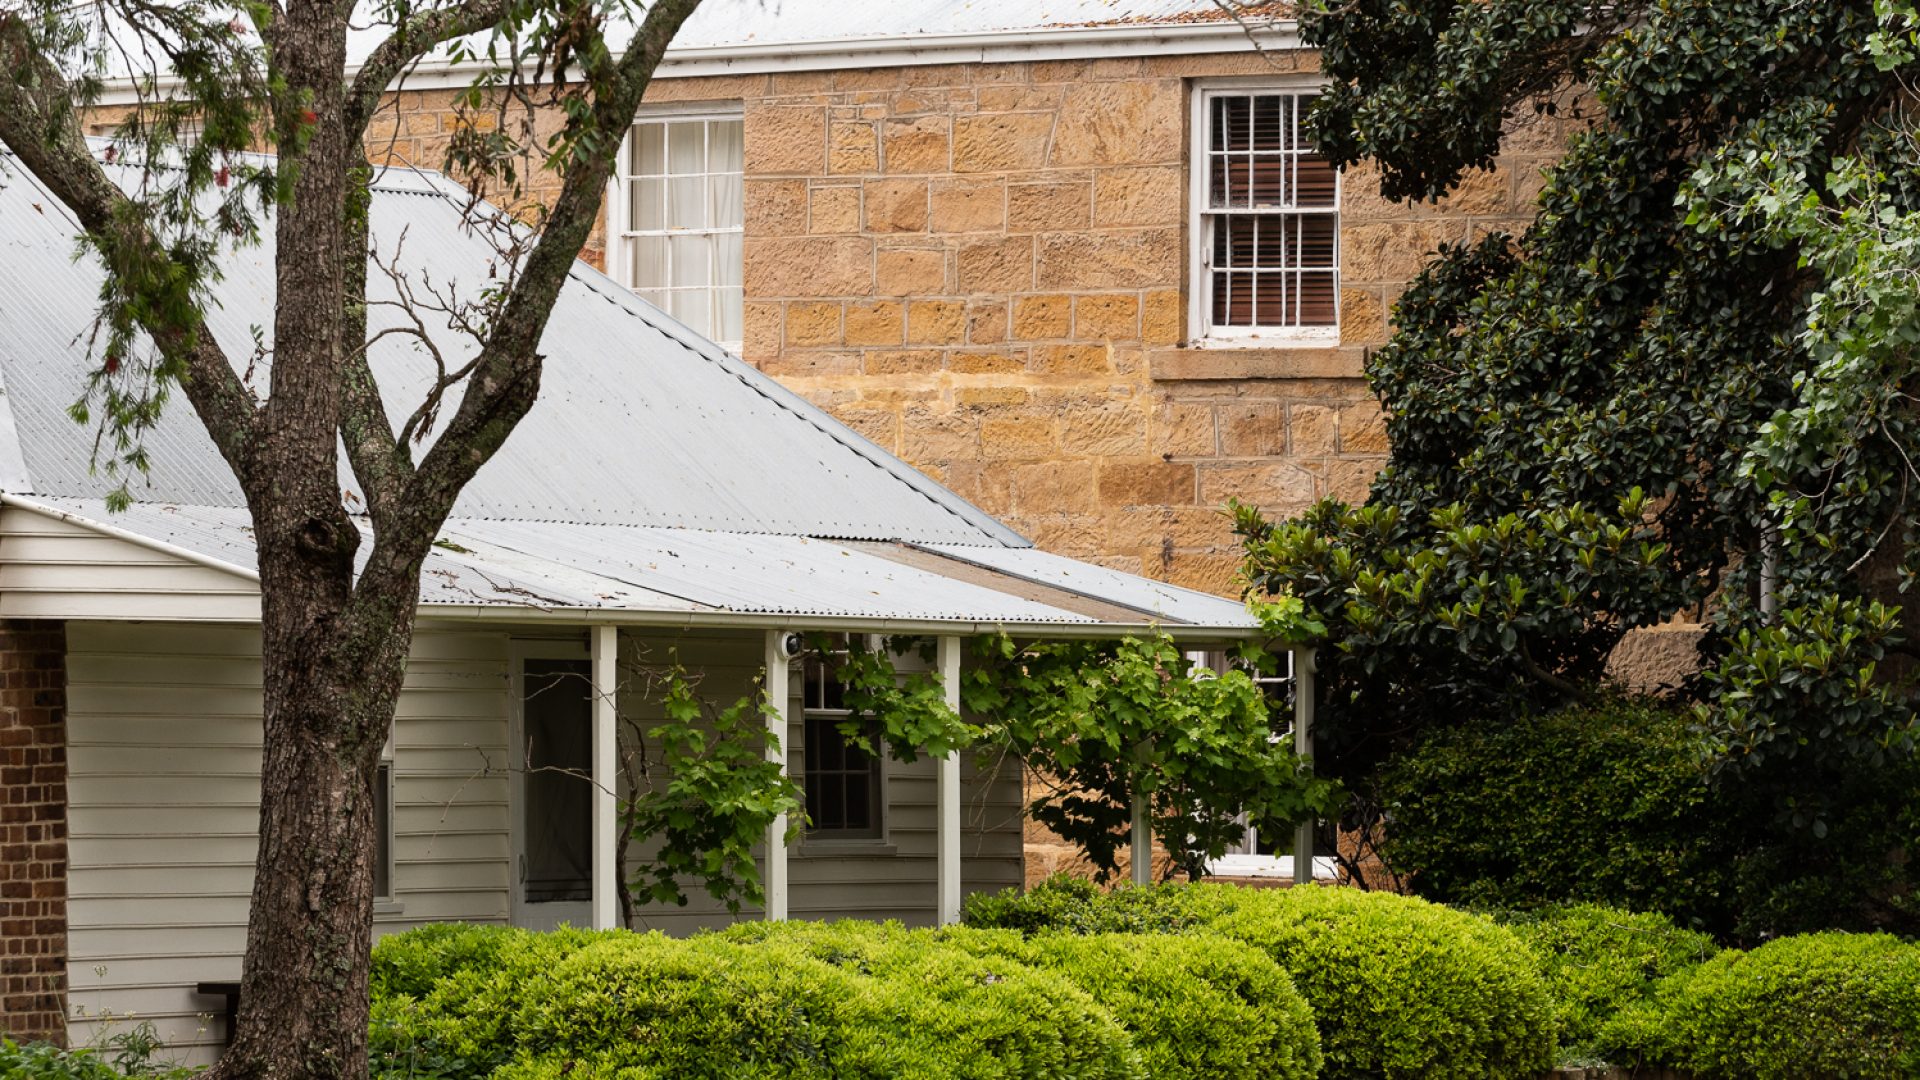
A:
(413, 39)
(506, 375)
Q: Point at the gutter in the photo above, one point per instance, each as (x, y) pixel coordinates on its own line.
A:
(470, 614)
(742, 620)
(907, 50)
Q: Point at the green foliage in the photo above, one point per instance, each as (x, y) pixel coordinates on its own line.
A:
(133, 1054)
(1600, 960)
(1197, 1008)
(795, 1000)
(1403, 988)
(1398, 987)
(1829, 1005)
(1606, 803)
(1112, 722)
(908, 710)
(720, 795)
(935, 1008)
(1685, 385)
(1612, 802)
(1064, 904)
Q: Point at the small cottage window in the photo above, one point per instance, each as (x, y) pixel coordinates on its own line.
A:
(1266, 223)
(676, 217)
(842, 776)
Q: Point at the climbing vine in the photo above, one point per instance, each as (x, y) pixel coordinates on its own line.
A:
(700, 793)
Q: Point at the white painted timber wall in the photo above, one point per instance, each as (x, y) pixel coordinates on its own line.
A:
(164, 755)
(164, 750)
(54, 569)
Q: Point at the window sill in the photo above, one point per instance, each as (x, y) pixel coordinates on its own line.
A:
(1250, 361)
(843, 849)
(1325, 867)
(388, 909)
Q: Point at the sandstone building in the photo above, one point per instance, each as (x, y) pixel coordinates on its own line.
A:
(1089, 274)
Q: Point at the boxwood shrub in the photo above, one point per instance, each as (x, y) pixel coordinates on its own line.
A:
(1599, 961)
(1843, 1006)
(1398, 987)
(1196, 1006)
(794, 1000)
(930, 1007)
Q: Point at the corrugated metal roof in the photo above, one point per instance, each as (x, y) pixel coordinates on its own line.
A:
(639, 420)
(718, 23)
(656, 474)
(1153, 597)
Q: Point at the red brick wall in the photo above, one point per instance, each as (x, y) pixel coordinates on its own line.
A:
(33, 829)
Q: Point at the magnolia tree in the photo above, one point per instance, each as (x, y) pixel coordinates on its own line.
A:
(276, 76)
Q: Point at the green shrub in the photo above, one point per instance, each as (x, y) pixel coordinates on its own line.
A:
(1078, 906)
(1600, 960)
(1196, 1007)
(443, 995)
(1398, 987)
(935, 1008)
(1844, 1006)
(133, 1052)
(1606, 804)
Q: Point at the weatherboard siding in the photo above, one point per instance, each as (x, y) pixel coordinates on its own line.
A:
(164, 752)
(54, 569)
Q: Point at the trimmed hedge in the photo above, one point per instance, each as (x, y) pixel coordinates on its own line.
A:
(1399, 987)
(1599, 961)
(804, 1001)
(1196, 1007)
(1844, 1006)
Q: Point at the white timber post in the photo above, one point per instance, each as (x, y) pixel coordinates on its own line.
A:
(1142, 855)
(1303, 748)
(947, 794)
(778, 673)
(605, 651)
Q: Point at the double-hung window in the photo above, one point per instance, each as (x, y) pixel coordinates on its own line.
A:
(1266, 222)
(675, 218)
(842, 775)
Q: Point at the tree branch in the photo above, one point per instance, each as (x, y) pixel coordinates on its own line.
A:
(39, 124)
(506, 373)
(414, 38)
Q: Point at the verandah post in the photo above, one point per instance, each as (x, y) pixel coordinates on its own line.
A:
(947, 794)
(778, 674)
(605, 652)
(1303, 748)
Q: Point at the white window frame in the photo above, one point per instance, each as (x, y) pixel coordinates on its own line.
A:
(1200, 332)
(877, 834)
(619, 219)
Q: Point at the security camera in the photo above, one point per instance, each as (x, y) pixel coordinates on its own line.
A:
(792, 645)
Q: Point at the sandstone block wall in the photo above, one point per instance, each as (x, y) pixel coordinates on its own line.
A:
(983, 268)
(33, 830)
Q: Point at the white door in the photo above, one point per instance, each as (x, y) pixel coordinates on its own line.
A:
(551, 786)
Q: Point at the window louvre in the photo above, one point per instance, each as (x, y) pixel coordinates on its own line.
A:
(1269, 220)
(681, 209)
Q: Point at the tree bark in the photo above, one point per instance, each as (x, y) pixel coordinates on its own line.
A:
(333, 648)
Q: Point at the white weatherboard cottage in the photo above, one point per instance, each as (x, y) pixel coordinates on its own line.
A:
(661, 495)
